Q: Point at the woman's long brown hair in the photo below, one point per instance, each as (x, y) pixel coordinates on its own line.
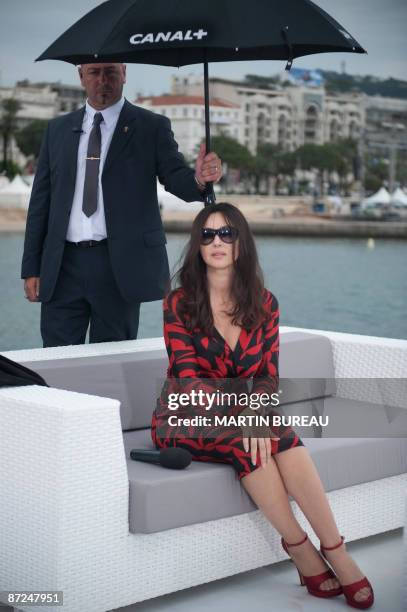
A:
(247, 284)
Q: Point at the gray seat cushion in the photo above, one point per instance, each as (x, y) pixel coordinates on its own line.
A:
(162, 499)
(135, 379)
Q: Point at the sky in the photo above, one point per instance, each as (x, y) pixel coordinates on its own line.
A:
(28, 27)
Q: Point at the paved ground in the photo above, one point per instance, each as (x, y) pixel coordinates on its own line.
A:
(267, 215)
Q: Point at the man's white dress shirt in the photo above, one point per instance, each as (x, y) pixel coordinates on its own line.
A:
(80, 226)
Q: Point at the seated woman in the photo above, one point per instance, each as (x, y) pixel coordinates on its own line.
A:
(222, 324)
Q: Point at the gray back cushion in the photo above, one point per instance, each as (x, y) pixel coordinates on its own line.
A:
(135, 379)
(306, 367)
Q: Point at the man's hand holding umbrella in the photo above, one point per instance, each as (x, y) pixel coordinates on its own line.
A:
(208, 168)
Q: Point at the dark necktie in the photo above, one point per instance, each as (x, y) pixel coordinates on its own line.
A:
(90, 189)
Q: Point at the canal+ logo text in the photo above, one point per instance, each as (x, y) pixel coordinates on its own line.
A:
(140, 39)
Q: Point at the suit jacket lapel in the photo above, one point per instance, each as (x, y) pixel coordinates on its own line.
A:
(72, 143)
(124, 129)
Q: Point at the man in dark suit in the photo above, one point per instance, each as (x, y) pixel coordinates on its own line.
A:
(94, 244)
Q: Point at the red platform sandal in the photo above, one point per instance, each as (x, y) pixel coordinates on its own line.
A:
(313, 583)
(350, 590)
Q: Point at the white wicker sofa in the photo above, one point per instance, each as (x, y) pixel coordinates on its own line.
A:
(77, 515)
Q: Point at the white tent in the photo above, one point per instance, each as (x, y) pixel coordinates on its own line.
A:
(336, 202)
(399, 198)
(168, 201)
(29, 179)
(16, 194)
(380, 197)
(3, 181)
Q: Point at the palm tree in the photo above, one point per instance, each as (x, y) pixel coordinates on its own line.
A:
(8, 126)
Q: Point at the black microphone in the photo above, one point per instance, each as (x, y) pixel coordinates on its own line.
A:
(172, 458)
(77, 130)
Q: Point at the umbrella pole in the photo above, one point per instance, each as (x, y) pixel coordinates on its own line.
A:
(209, 195)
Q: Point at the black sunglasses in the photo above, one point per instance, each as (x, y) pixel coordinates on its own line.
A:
(226, 233)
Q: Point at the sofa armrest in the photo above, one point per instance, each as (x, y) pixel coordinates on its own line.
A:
(63, 484)
(358, 356)
(367, 360)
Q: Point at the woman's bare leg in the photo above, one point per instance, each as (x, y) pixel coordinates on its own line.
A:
(302, 481)
(268, 492)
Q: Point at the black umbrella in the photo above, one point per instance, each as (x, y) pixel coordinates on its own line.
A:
(181, 32)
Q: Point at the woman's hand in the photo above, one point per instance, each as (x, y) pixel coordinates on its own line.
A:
(260, 436)
(263, 445)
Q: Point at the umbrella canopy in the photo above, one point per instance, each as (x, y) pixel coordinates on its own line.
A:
(181, 32)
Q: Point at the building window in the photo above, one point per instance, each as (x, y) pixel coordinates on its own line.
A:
(334, 130)
(311, 123)
(185, 112)
(354, 130)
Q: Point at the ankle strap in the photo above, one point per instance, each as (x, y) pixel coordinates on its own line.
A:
(298, 543)
(333, 547)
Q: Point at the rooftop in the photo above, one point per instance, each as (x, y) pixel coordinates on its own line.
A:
(181, 99)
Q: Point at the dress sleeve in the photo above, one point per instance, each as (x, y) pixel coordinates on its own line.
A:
(182, 355)
(185, 371)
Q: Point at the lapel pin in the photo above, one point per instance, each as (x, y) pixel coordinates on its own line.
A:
(126, 129)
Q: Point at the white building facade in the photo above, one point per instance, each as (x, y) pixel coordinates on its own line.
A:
(187, 117)
(42, 101)
(284, 114)
(288, 116)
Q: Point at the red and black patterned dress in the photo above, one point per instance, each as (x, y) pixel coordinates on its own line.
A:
(201, 360)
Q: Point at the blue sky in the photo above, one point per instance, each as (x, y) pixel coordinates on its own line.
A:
(27, 27)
